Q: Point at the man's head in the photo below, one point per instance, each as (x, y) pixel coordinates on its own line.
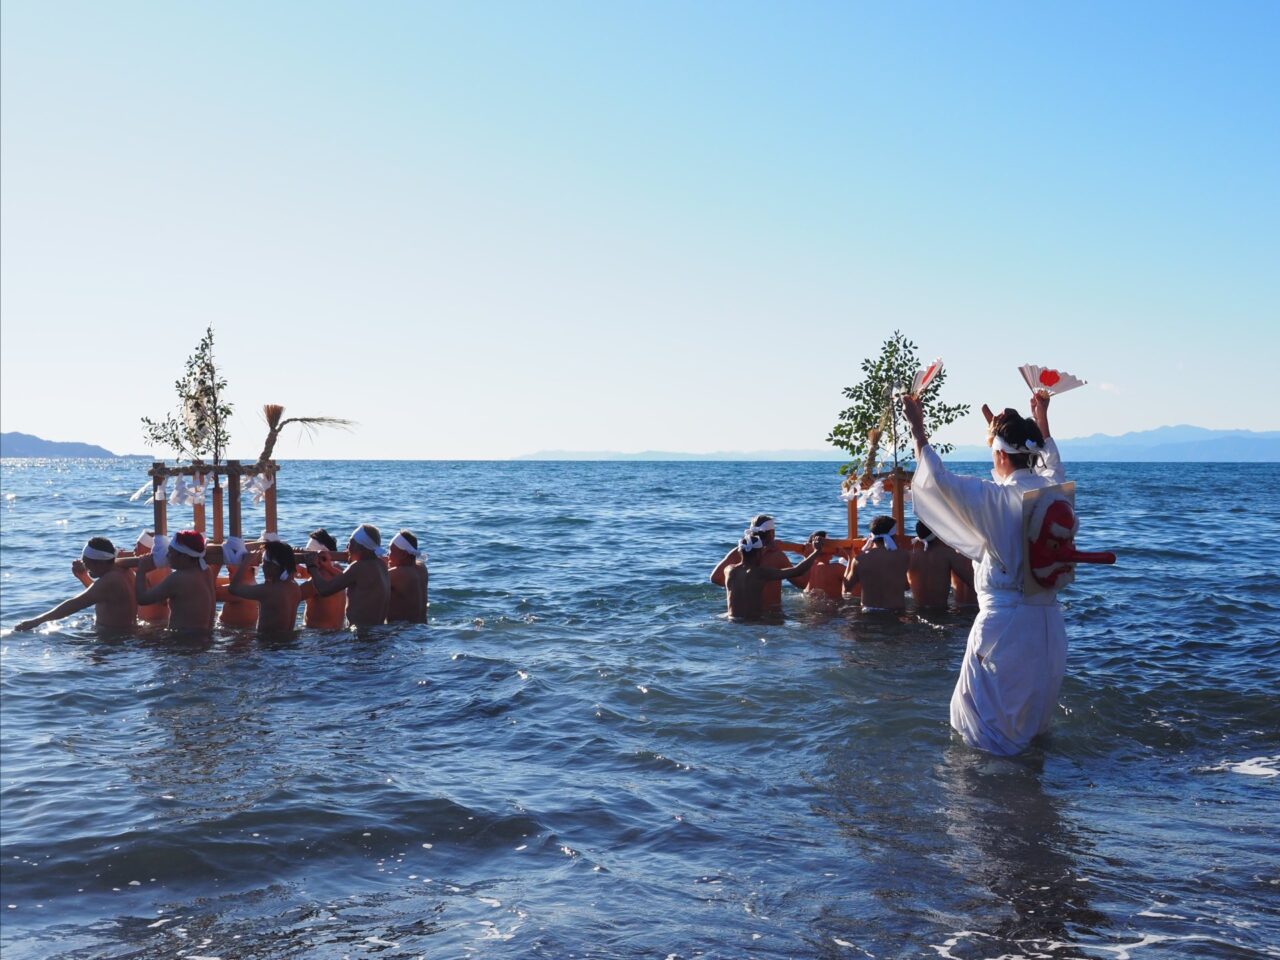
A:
(146, 540)
(1014, 440)
(186, 550)
(923, 534)
(365, 541)
(278, 561)
(751, 548)
(882, 526)
(762, 526)
(322, 539)
(99, 557)
(404, 549)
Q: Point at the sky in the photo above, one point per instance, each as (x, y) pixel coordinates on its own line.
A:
(486, 229)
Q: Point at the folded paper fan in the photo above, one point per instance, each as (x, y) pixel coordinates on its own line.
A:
(925, 376)
(1049, 380)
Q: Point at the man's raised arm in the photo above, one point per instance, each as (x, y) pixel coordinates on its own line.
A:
(325, 586)
(786, 573)
(730, 558)
(240, 585)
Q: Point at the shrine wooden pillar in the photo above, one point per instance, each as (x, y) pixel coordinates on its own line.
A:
(233, 498)
(900, 502)
(197, 510)
(217, 511)
(270, 501)
(159, 512)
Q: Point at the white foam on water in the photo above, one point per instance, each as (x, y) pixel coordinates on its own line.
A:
(490, 901)
(1253, 767)
(379, 942)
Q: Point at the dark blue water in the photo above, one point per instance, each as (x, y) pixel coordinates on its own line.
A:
(579, 757)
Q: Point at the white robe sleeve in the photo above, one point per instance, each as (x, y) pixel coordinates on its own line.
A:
(962, 511)
(1050, 464)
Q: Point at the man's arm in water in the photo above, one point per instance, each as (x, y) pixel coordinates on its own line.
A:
(730, 558)
(238, 587)
(325, 586)
(65, 609)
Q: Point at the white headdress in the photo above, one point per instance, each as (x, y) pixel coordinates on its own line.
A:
(366, 541)
(402, 543)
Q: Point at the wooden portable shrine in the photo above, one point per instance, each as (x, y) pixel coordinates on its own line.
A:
(233, 470)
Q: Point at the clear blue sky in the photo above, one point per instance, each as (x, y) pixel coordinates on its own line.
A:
(483, 229)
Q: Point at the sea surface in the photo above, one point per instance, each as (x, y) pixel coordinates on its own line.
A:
(580, 757)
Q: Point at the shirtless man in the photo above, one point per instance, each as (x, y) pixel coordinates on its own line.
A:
(826, 576)
(189, 588)
(277, 597)
(763, 527)
(322, 613)
(366, 579)
(881, 570)
(933, 568)
(408, 575)
(744, 582)
(237, 613)
(109, 592)
(153, 612)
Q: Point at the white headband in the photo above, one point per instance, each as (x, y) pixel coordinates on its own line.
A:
(885, 538)
(315, 546)
(93, 553)
(270, 536)
(747, 544)
(925, 540)
(1004, 446)
(766, 527)
(366, 541)
(233, 551)
(188, 552)
(405, 545)
(146, 540)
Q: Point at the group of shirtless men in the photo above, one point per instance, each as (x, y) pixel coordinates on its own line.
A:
(376, 586)
(881, 572)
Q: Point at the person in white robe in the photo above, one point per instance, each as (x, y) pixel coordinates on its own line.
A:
(1014, 662)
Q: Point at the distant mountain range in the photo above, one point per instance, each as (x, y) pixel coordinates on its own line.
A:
(1179, 444)
(25, 445)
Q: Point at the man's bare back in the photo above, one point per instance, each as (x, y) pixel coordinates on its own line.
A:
(368, 594)
(882, 574)
(931, 571)
(745, 582)
(826, 579)
(323, 613)
(191, 599)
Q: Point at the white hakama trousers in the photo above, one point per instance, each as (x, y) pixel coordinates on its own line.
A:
(1011, 675)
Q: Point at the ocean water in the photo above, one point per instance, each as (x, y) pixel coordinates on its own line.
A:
(580, 757)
